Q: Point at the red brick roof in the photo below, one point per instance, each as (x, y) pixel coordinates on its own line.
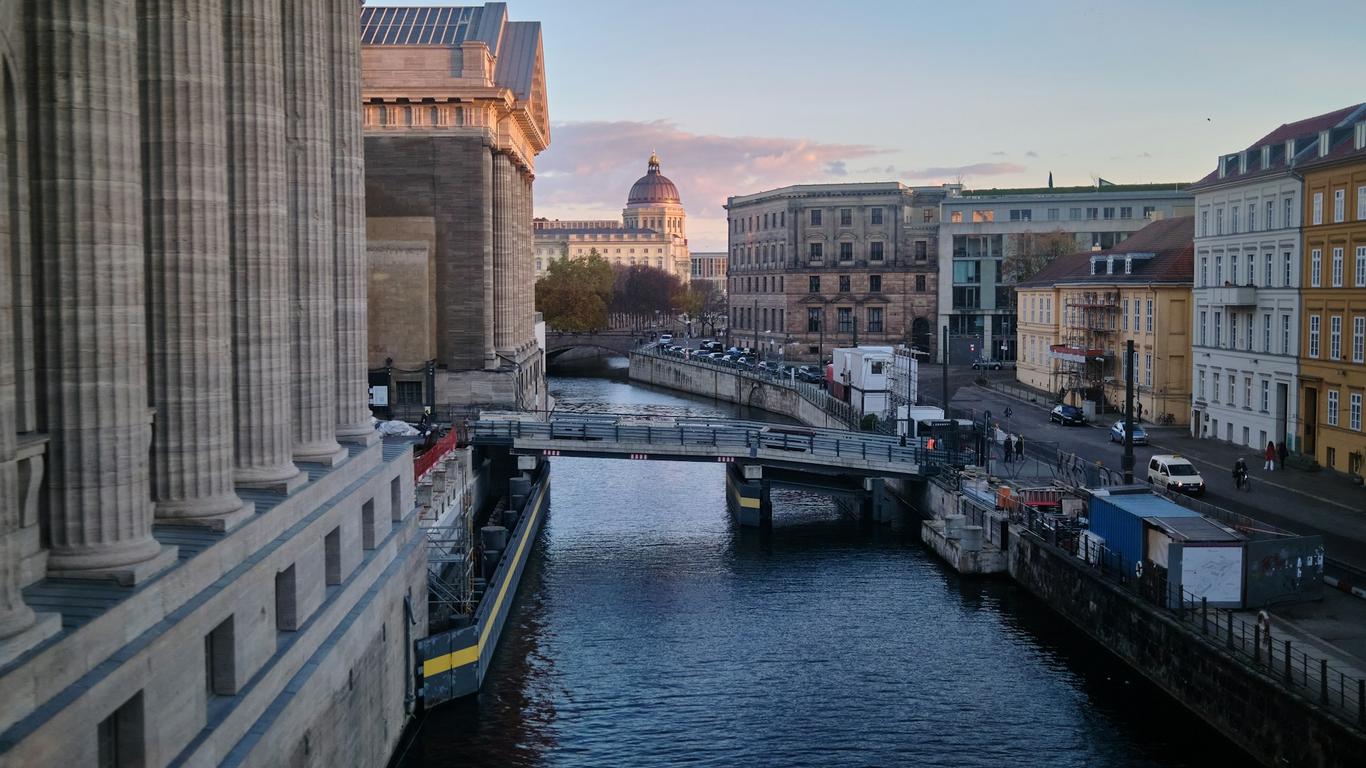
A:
(1171, 241)
(1308, 127)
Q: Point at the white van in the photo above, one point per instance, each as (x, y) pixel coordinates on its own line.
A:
(1175, 473)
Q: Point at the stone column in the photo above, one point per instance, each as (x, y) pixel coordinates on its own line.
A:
(308, 134)
(90, 313)
(259, 250)
(348, 227)
(526, 262)
(485, 187)
(505, 274)
(185, 215)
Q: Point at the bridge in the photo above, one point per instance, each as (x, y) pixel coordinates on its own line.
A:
(757, 454)
(617, 342)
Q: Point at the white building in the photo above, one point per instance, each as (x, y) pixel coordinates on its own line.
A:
(1246, 295)
(863, 378)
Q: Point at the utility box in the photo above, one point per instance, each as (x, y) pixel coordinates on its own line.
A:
(862, 377)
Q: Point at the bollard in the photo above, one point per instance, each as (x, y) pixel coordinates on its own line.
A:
(1257, 644)
(1289, 675)
(1323, 680)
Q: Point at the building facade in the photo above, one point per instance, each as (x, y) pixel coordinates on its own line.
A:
(1247, 289)
(653, 231)
(204, 548)
(1078, 313)
(710, 267)
(1333, 339)
(984, 232)
(813, 267)
(455, 112)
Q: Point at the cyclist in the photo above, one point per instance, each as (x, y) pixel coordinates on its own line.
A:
(1240, 473)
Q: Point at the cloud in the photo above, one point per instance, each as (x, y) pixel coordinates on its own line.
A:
(999, 153)
(973, 169)
(1031, 153)
(590, 167)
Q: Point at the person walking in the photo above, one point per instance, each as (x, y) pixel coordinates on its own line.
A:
(1281, 451)
(1019, 447)
(1006, 448)
(1270, 456)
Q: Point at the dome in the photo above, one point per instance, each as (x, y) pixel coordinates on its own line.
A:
(653, 188)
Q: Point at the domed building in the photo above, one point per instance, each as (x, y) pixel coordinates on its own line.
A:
(653, 231)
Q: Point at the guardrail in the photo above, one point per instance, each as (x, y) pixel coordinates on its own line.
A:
(432, 455)
(812, 393)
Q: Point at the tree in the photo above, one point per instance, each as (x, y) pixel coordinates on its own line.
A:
(1035, 250)
(575, 293)
(638, 292)
(705, 304)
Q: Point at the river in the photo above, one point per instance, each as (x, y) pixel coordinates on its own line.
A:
(650, 630)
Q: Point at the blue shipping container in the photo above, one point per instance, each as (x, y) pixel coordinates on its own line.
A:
(1119, 520)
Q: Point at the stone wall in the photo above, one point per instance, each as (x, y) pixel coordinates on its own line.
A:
(401, 312)
(1277, 727)
(729, 387)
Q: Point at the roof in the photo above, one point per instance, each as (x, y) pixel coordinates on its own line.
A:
(1108, 188)
(1146, 505)
(652, 188)
(566, 231)
(1171, 243)
(1305, 154)
(1185, 528)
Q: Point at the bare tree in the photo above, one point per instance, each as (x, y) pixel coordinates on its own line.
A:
(1033, 251)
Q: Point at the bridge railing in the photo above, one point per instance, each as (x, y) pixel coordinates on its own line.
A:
(811, 392)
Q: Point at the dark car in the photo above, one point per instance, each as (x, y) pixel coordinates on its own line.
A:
(1067, 414)
(984, 364)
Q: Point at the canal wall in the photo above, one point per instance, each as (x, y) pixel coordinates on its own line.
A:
(1275, 725)
(731, 387)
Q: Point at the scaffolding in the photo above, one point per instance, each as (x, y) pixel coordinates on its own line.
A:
(1090, 322)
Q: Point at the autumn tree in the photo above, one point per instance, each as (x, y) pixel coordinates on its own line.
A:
(575, 293)
(639, 292)
(1035, 250)
(704, 303)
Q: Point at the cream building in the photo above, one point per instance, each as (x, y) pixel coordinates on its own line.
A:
(653, 231)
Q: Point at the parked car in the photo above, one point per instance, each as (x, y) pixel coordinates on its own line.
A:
(710, 346)
(1117, 433)
(1176, 474)
(666, 338)
(984, 364)
(1067, 414)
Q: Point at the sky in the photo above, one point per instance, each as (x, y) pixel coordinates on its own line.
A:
(747, 95)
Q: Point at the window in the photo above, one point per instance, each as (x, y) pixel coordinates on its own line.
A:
(1313, 335)
(1126, 212)
(1317, 215)
(1361, 203)
(1251, 217)
(367, 525)
(815, 217)
(332, 557)
(845, 316)
(1200, 383)
(877, 216)
(967, 297)
(122, 735)
(1074, 213)
(1266, 396)
(1125, 315)
(286, 601)
(1021, 214)
(815, 251)
(846, 251)
(1251, 269)
(875, 283)
(1288, 214)
(1233, 219)
(1339, 205)
(875, 319)
(1354, 412)
(846, 217)
(1053, 214)
(1219, 221)
(1202, 327)
(875, 247)
(1232, 331)
(1109, 213)
(1233, 268)
(1332, 408)
(1218, 328)
(1266, 273)
(920, 283)
(1148, 322)
(979, 217)
(408, 393)
(1359, 272)
(956, 217)
(1092, 213)
(967, 272)
(1315, 267)
(813, 320)
(1204, 271)
(1204, 223)
(1137, 319)
(220, 656)
(1214, 394)
(1289, 269)
(844, 283)
(1148, 369)
(1335, 337)
(1337, 267)
(1270, 214)
(1266, 332)
(1232, 387)
(1359, 339)
(1285, 334)
(1219, 269)
(921, 250)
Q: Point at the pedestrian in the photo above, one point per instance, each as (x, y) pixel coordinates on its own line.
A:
(1007, 448)
(1019, 447)
(1270, 456)
(1281, 451)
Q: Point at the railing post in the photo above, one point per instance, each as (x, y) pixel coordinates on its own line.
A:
(1257, 644)
(1289, 675)
(1204, 614)
(1230, 630)
(1323, 680)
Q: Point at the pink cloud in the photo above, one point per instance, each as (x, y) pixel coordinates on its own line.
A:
(590, 167)
(973, 169)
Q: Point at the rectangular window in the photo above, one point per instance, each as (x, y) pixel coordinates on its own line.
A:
(1335, 337)
(332, 557)
(815, 251)
(220, 657)
(1251, 217)
(1285, 334)
(1148, 369)
(1288, 214)
(1361, 203)
(1354, 414)
(1203, 320)
(956, 217)
(1315, 268)
(1359, 339)
(1359, 269)
(846, 217)
(813, 284)
(1339, 205)
(1204, 271)
(1219, 269)
(1218, 328)
(875, 248)
(983, 217)
(1266, 332)
(1233, 210)
(1109, 213)
(1266, 396)
(1126, 212)
(1247, 392)
(1204, 223)
(1289, 270)
(1200, 383)
(845, 317)
(1021, 214)
(1148, 322)
(286, 601)
(846, 251)
(815, 217)
(122, 736)
(367, 525)
(875, 283)
(1313, 335)
(1316, 216)
(1053, 214)
(921, 250)
(1137, 315)
(1270, 214)
(875, 319)
(844, 283)
(1218, 221)
(1337, 267)
(1125, 315)
(1074, 214)
(1232, 389)
(813, 320)
(1233, 268)
(920, 283)
(1232, 331)
(1214, 394)
(877, 216)
(1332, 408)
(1267, 271)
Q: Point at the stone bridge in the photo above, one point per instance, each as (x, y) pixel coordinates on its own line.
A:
(613, 342)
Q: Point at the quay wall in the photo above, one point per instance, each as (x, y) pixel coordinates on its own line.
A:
(1277, 727)
(731, 387)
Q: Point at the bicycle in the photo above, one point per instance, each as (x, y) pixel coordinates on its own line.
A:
(1166, 419)
(1242, 481)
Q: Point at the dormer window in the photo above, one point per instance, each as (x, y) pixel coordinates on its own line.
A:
(1323, 143)
(1360, 139)
(1266, 157)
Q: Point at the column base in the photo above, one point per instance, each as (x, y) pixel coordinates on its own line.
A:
(360, 433)
(129, 574)
(215, 517)
(45, 626)
(327, 455)
(284, 481)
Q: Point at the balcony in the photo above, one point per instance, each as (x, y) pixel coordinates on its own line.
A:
(1233, 296)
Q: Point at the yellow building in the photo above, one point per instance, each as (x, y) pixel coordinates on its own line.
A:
(1077, 313)
(1333, 345)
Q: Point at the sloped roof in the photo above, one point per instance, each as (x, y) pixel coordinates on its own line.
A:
(1307, 152)
(1170, 241)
